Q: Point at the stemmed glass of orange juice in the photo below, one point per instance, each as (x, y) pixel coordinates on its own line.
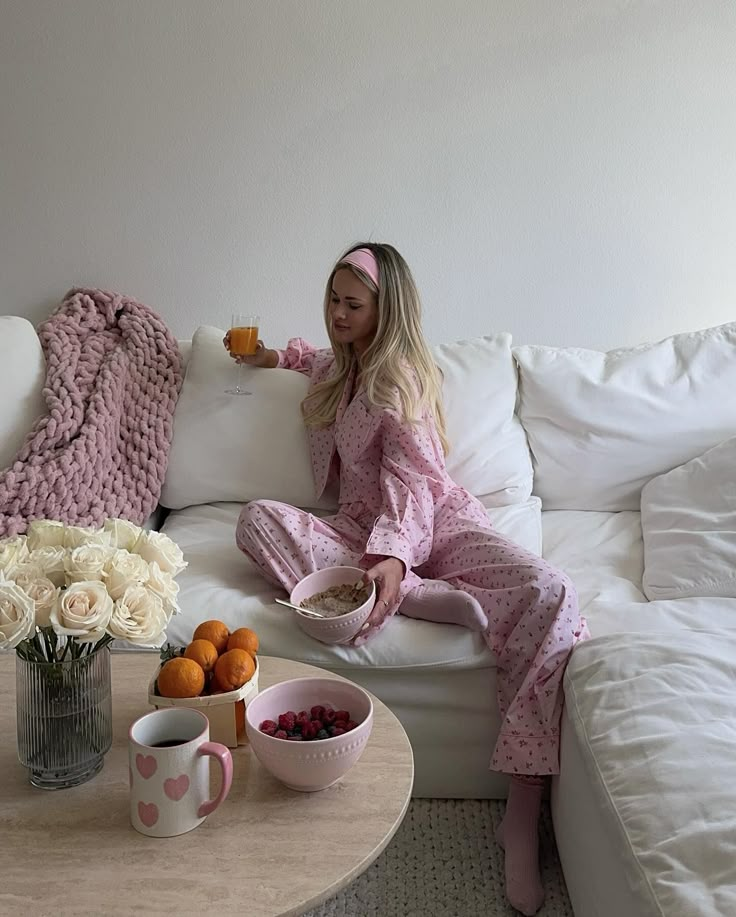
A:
(243, 343)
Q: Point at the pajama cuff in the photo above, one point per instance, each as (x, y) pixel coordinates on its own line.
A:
(385, 544)
(531, 755)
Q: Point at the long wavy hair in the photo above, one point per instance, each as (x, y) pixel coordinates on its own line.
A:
(397, 369)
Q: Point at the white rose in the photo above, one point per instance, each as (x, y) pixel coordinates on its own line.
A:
(124, 569)
(139, 617)
(159, 548)
(87, 562)
(43, 592)
(165, 587)
(13, 551)
(50, 561)
(75, 536)
(17, 615)
(82, 611)
(45, 533)
(26, 568)
(123, 534)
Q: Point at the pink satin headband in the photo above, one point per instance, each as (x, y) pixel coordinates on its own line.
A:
(364, 259)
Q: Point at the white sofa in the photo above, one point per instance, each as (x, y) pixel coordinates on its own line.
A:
(618, 468)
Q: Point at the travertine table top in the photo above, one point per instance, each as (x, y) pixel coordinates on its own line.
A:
(266, 851)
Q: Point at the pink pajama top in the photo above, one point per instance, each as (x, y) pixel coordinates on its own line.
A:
(392, 474)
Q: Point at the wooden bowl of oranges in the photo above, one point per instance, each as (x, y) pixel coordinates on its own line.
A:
(217, 673)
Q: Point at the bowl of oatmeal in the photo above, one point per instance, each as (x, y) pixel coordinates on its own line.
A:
(339, 594)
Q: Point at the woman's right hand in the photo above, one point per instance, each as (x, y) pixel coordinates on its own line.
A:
(263, 357)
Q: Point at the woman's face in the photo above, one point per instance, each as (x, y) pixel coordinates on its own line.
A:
(353, 312)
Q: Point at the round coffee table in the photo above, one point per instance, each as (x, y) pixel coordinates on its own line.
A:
(266, 851)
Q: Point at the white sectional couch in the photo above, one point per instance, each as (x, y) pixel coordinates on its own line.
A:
(617, 467)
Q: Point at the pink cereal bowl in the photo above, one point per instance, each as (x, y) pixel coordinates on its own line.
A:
(332, 630)
(317, 764)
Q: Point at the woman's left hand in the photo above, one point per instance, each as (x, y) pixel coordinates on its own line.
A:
(387, 574)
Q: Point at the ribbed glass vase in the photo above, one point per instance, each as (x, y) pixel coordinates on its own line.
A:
(64, 718)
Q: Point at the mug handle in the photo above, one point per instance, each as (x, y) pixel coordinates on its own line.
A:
(225, 760)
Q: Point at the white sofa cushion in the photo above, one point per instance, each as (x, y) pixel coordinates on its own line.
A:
(688, 520)
(488, 455)
(651, 717)
(602, 554)
(600, 425)
(22, 375)
(229, 448)
(220, 577)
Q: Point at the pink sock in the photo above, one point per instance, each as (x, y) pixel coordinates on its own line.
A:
(438, 601)
(518, 834)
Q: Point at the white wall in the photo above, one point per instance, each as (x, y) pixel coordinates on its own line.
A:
(562, 170)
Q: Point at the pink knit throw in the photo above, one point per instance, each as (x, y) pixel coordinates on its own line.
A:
(113, 375)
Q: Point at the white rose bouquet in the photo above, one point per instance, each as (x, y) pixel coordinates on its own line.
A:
(66, 591)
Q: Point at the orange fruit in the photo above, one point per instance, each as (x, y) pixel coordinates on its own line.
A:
(181, 677)
(202, 652)
(233, 669)
(214, 631)
(239, 718)
(243, 639)
(214, 687)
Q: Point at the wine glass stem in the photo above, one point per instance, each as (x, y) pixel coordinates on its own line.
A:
(238, 376)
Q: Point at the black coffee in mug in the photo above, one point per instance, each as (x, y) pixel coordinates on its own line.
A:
(169, 743)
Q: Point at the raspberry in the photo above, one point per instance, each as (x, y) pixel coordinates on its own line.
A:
(281, 734)
(309, 731)
(351, 724)
(303, 716)
(287, 720)
(317, 712)
(336, 730)
(328, 717)
(269, 727)
(342, 715)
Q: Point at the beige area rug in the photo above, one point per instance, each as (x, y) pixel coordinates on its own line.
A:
(443, 862)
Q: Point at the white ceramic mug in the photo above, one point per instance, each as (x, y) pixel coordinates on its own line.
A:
(169, 757)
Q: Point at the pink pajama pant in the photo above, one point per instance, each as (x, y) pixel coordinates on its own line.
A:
(533, 618)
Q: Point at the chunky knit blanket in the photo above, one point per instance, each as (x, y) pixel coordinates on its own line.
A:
(112, 380)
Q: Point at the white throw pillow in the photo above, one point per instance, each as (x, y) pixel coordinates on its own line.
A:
(600, 425)
(237, 447)
(230, 448)
(488, 455)
(688, 520)
(22, 375)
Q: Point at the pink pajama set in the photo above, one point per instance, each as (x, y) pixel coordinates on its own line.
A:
(397, 500)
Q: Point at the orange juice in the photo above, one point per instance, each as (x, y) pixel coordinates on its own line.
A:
(243, 340)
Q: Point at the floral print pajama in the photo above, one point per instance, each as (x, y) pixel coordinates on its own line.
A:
(397, 500)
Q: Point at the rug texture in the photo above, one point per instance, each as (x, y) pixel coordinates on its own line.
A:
(443, 862)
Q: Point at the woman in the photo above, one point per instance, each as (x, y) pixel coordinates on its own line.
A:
(375, 423)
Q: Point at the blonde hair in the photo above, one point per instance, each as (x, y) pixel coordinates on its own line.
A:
(397, 368)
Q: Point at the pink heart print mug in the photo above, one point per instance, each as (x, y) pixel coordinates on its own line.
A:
(169, 758)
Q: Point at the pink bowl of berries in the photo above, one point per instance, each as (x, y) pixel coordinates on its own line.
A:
(309, 732)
